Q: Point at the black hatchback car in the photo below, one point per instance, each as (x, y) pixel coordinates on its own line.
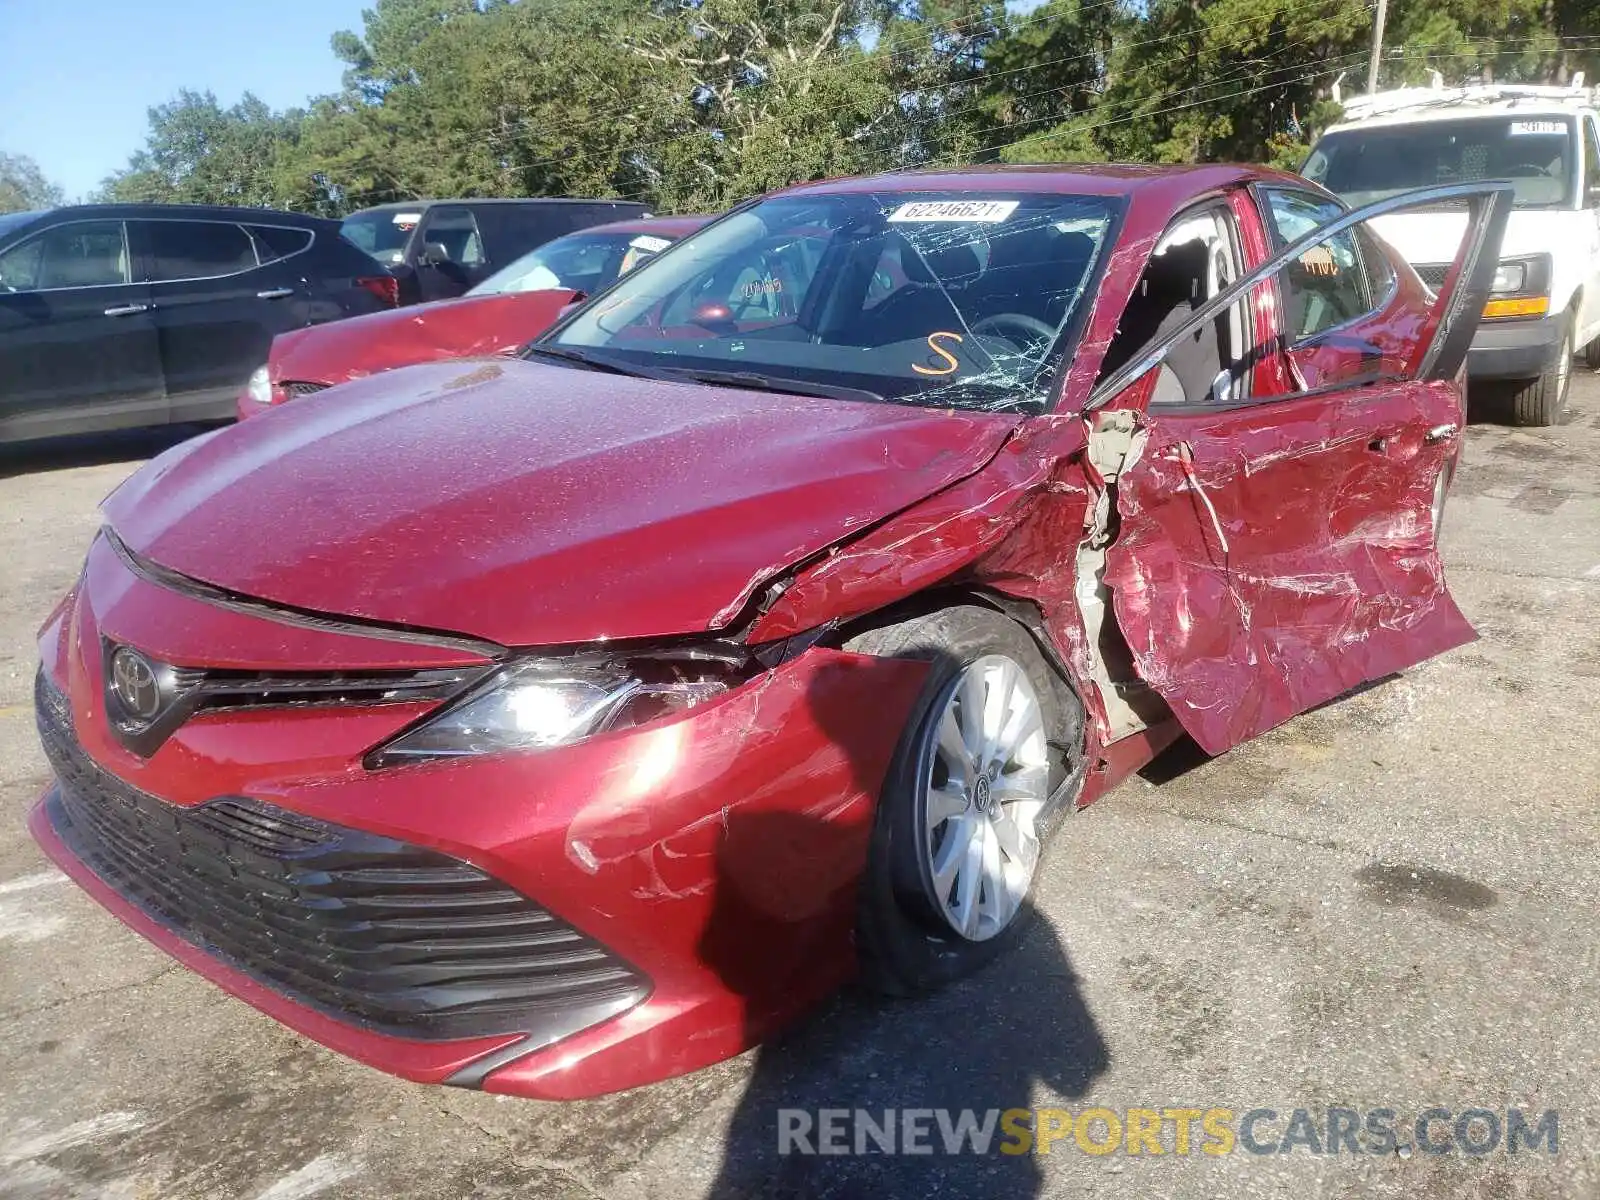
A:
(114, 316)
(440, 248)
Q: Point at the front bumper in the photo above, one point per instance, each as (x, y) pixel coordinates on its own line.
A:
(1515, 349)
(700, 871)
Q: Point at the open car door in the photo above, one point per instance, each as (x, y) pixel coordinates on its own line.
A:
(1273, 552)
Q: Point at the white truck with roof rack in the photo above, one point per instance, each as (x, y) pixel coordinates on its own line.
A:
(1546, 141)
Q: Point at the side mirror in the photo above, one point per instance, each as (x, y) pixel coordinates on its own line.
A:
(434, 255)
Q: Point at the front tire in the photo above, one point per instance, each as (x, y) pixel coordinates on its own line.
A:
(963, 815)
(1543, 401)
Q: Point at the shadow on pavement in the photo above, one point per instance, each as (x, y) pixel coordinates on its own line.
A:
(1015, 1034)
(93, 449)
(1177, 760)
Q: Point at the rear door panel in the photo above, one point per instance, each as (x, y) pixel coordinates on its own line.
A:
(216, 320)
(1274, 555)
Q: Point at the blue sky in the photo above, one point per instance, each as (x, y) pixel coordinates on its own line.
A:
(78, 75)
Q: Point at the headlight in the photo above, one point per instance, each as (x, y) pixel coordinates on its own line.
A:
(259, 389)
(539, 703)
(1521, 288)
(1509, 278)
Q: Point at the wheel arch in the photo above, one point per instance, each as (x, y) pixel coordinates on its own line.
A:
(1070, 743)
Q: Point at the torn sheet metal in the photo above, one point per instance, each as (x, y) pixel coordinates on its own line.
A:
(930, 542)
(1008, 530)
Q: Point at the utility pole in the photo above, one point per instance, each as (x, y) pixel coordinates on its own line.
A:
(1377, 47)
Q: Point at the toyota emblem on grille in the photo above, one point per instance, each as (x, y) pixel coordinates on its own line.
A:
(134, 684)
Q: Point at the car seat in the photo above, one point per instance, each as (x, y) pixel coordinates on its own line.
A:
(921, 306)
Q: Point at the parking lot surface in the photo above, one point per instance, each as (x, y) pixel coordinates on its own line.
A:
(1391, 902)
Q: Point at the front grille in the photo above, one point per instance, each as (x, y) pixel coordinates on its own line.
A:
(303, 387)
(394, 937)
(1433, 274)
(185, 691)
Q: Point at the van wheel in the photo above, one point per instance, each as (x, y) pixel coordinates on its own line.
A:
(1591, 355)
(1543, 401)
(963, 815)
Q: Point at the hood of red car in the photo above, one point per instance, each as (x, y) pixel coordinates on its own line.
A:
(532, 504)
(399, 337)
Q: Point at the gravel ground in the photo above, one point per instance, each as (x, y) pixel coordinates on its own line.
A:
(1388, 903)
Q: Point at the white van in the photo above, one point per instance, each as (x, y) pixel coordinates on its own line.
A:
(1545, 141)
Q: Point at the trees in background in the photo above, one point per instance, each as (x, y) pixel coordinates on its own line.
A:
(23, 186)
(695, 104)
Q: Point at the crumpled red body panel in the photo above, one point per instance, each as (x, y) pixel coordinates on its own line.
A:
(1312, 569)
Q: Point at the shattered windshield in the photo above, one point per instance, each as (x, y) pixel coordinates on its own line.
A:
(957, 300)
(1367, 164)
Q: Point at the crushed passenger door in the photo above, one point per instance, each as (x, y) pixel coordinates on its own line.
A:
(1275, 553)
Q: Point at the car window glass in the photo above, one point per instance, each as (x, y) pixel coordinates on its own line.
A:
(580, 262)
(456, 231)
(196, 249)
(1364, 163)
(765, 282)
(79, 254)
(1328, 284)
(939, 298)
(641, 250)
(1380, 271)
(275, 241)
(1197, 258)
(888, 277)
(382, 234)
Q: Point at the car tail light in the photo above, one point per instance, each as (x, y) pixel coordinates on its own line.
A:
(384, 287)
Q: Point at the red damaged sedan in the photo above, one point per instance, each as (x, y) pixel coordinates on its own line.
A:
(559, 723)
(504, 312)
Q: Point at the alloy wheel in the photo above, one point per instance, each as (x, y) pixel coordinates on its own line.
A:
(985, 780)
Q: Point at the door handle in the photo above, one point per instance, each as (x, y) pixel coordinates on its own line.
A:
(126, 310)
(1440, 433)
(274, 293)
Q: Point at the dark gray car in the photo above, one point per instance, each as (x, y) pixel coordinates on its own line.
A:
(113, 316)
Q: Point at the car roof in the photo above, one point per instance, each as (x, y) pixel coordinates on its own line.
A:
(668, 226)
(1460, 112)
(1421, 106)
(1159, 190)
(204, 212)
(1090, 179)
(541, 201)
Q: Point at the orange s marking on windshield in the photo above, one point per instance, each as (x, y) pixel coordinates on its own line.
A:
(953, 363)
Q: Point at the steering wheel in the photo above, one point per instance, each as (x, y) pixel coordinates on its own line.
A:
(1527, 170)
(1032, 329)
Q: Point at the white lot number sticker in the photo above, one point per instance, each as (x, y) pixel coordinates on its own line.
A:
(990, 211)
(650, 243)
(407, 219)
(1537, 127)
